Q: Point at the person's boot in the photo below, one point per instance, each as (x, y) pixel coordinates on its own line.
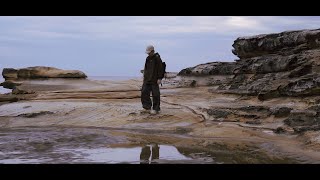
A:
(154, 112)
(145, 111)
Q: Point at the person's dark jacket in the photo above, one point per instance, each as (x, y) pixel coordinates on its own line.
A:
(153, 69)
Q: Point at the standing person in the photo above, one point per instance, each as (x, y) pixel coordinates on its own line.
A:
(152, 76)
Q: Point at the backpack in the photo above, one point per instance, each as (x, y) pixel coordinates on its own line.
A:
(164, 68)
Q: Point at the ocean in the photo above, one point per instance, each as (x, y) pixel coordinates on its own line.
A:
(113, 78)
(3, 90)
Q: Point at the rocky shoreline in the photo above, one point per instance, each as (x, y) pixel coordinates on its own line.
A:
(284, 65)
(271, 94)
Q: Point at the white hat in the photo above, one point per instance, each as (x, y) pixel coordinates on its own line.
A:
(149, 49)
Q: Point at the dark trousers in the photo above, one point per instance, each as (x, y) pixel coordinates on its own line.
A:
(145, 96)
(146, 154)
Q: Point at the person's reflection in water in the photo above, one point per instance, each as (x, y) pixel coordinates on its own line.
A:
(149, 153)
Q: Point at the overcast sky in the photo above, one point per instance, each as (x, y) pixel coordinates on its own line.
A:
(115, 46)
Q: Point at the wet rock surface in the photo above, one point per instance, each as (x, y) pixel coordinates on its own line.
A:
(187, 113)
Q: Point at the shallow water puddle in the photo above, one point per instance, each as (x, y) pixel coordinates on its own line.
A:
(144, 155)
(90, 145)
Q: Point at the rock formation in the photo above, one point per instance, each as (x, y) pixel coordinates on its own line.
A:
(40, 72)
(273, 65)
(15, 78)
(282, 65)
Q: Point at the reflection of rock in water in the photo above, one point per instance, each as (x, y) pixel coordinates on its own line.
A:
(222, 153)
(149, 153)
